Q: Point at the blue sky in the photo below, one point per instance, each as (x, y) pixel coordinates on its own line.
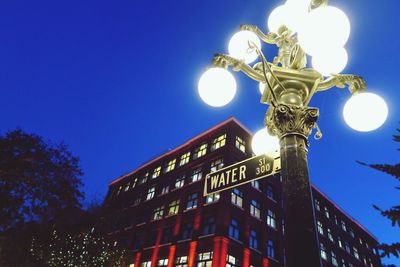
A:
(116, 80)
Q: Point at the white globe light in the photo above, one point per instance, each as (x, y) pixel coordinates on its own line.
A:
(261, 87)
(264, 143)
(292, 15)
(217, 87)
(333, 61)
(324, 26)
(239, 46)
(365, 112)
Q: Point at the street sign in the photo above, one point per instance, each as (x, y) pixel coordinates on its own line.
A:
(241, 173)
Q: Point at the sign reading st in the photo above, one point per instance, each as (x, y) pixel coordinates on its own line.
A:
(240, 173)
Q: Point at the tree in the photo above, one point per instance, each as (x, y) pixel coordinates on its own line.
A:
(393, 213)
(37, 179)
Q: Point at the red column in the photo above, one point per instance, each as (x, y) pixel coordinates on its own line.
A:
(192, 253)
(216, 251)
(265, 262)
(157, 247)
(137, 258)
(224, 251)
(171, 255)
(246, 257)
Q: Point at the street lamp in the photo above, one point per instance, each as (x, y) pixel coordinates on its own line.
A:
(298, 28)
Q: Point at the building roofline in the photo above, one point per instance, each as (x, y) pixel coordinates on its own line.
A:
(344, 212)
(187, 143)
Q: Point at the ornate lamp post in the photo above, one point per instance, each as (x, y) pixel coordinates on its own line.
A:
(287, 87)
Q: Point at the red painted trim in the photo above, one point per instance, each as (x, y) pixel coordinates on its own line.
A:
(216, 251)
(171, 255)
(231, 119)
(246, 257)
(137, 258)
(192, 253)
(224, 251)
(265, 262)
(157, 246)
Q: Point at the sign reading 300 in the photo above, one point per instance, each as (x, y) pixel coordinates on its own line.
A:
(240, 173)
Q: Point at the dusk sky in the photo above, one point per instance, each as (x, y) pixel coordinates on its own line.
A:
(117, 82)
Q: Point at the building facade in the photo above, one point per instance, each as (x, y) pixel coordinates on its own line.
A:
(159, 213)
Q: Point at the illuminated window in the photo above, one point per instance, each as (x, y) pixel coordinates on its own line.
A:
(192, 201)
(156, 172)
(180, 181)
(217, 164)
(126, 188)
(240, 144)
(255, 184)
(253, 242)
(204, 259)
(143, 178)
(181, 261)
(162, 262)
(324, 255)
(334, 259)
(218, 142)
(132, 265)
(146, 264)
(330, 234)
(232, 261)
(184, 158)
(271, 249)
(170, 166)
(158, 213)
(173, 207)
(187, 230)
(317, 205)
(339, 240)
(271, 219)
(355, 251)
(119, 190)
(200, 151)
(196, 175)
(344, 228)
(326, 212)
(237, 197)
(165, 190)
(212, 198)
(134, 183)
(255, 209)
(151, 193)
(351, 232)
(270, 192)
(320, 228)
(234, 229)
(208, 225)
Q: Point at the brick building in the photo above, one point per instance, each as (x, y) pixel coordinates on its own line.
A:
(158, 211)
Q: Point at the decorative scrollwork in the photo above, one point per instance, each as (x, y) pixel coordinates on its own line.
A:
(289, 119)
(355, 83)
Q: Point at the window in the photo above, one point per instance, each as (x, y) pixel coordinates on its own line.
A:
(131, 265)
(234, 229)
(326, 211)
(255, 209)
(162, 262)
(200, 151)
(146, 264)
(158, 213)
(156, 172)
(336, 220)
(253, 242)
(212, 198)
(255, 184)
(137, 201)
(143, 178)
(217, 164)
(180, 181)
(347, 247)
(271, 249)
(240, 144)
(167, 235)
(344, 226)
(127, 187)
(270, 192)
(351, 232)
(208, 225)
(204, 259)
(151, 238)
(192, 201)
(170, 166)
(173, 207)
(317, 205)
(237, 197)
(232, 261)
(150, 193)
(165, 190)
(323, 252)
(184, 159)
(334, 259)
(320, 228)
(196, 175)
(187, 230)
(356, 255)
(271, 219)
(339, 240)
(218, 142)
(181, 261)
(330, 234)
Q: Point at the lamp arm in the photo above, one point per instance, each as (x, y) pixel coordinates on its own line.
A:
(223, 61)
(270, 38)
(356, 84)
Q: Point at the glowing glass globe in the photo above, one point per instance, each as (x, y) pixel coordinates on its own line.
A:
(292, 15)
(261, 87)
(324, 26)
(333, 61)
(264, 143)
(365, 112)
(239, 46)
(217, 87)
